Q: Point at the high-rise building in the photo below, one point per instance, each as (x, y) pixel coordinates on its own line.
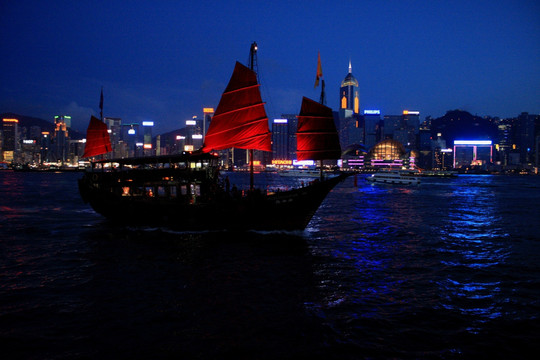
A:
(194, 134)
(147, 137)
(130, 136)
(60, 144)
(207, 118)
(372, 120)
(348, 93)
(349, 108)
(10, 138)
(391, 123)
(45, 147)
(280, 139)
(504, 141)
(114, 126)
(411, 119)
(525, 137)
(292, 126)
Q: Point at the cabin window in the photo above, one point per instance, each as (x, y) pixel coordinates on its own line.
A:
(149, 191)
(183, 190)
(161, 191)
(172, 191)
(195, 190)
(125, 190)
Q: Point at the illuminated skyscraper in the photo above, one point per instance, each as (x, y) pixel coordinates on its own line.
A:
(10, 138)
(61, 138)
(280, 139)
(130, 138)
(194, 134)
(207, 113)
(147, 137)
(114, 126)
(411, 119)
(372, 119)
(348, 93)
(349, 107)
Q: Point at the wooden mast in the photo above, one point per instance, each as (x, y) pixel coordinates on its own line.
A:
(322, 101)
(252, 54)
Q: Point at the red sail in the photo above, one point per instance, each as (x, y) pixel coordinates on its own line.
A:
(97, 138)
(316, 138)
(240, 120)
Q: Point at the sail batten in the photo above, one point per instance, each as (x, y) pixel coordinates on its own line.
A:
(241, 89)
(237, 110)
(240, 119)
(236, 127)
(98, 141)
(316, 137)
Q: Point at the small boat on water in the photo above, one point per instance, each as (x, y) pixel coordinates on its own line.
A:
(305, 173)
(438, 173)
(187, 192)
(407, 177)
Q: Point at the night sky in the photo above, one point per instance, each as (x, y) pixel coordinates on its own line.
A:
(166, 60)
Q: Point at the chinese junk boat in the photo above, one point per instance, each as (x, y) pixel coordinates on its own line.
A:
(185, 191)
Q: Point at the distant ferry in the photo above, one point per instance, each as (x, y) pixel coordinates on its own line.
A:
(310, 173)
(408, 177)
(439, 173)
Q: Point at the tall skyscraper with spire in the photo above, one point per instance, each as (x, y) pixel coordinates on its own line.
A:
(348, 93)
(350, 127)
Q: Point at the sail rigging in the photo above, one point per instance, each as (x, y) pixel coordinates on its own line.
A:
(240, 119)
(316, 137)
(98, 141)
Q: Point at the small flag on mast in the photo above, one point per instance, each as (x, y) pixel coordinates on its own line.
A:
(319, 71)
(101, 104)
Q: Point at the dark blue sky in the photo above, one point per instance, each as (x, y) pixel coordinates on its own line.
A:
(166, 60)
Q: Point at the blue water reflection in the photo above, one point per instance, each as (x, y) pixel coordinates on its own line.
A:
(435, 247)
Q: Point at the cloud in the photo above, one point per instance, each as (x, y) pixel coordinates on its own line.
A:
(80, 115)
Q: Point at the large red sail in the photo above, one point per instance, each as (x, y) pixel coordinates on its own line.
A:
(316, 138)
(240, 120)
(97, 138)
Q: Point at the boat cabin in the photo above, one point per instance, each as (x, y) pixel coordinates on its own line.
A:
(185, 176)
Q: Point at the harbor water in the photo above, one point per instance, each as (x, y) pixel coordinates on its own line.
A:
(448, 269)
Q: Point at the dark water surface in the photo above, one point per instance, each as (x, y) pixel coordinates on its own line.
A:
(449, 269)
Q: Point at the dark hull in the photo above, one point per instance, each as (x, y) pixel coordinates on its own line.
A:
(286, 210)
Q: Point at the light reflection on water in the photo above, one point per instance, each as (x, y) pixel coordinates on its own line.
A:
(473, 245)
(447, 269)
(437, 246)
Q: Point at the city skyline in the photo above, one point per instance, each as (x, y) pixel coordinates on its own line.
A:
(164, 62)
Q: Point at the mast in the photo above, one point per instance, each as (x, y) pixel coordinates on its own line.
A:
(323, 102)
(252, 59)
(101, 105)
